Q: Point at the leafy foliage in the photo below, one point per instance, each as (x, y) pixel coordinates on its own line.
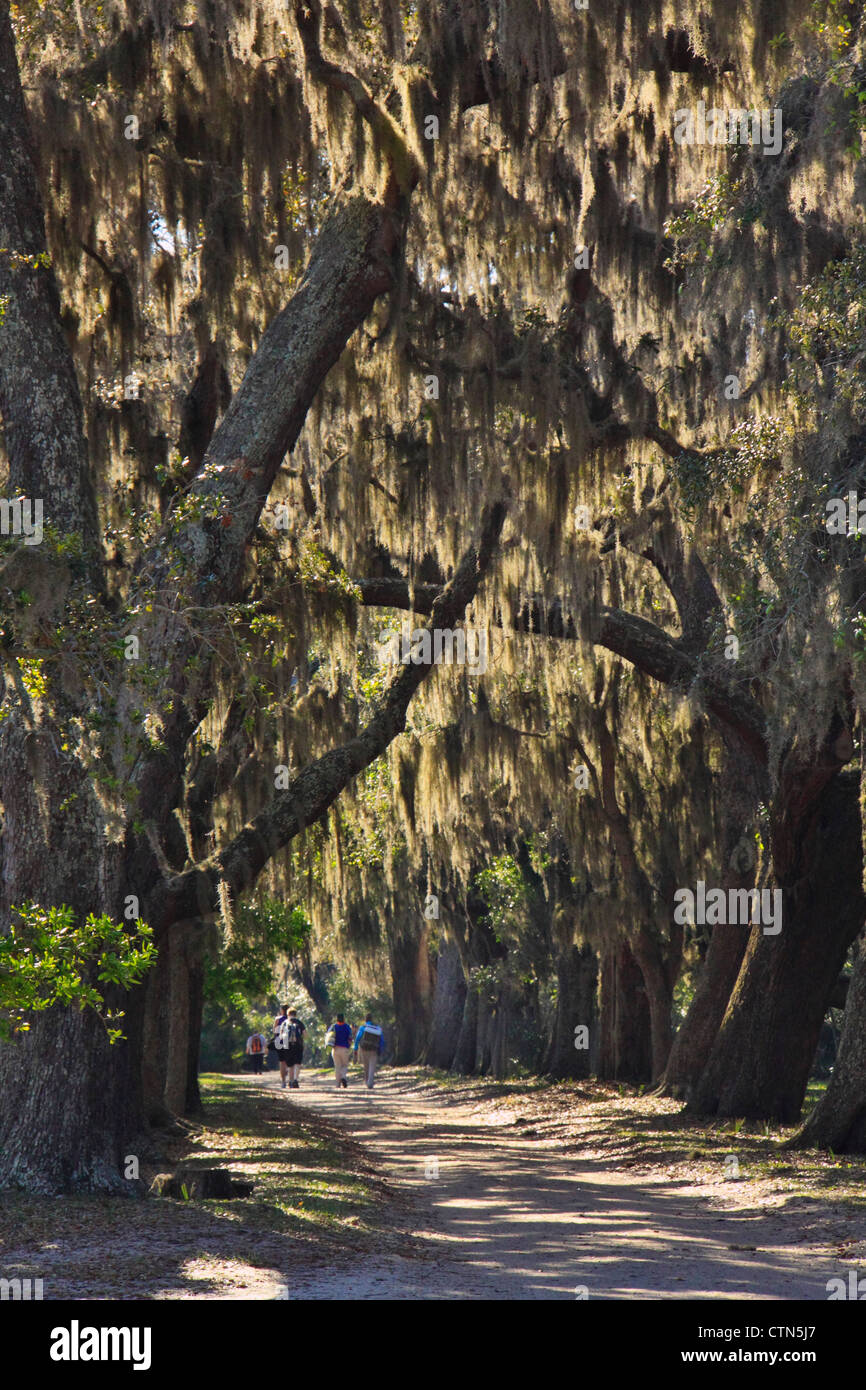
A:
(827, 333)
(838, 25)
(504, 890)
(693, 230)
(47, 958)
(242, 972)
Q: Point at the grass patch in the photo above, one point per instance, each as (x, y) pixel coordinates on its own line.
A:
(316, 1198)
(304, 1175)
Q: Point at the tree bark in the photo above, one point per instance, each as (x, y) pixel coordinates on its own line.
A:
(449, 999)
(659, 982)
(181, 1043)
(195, 965)
(500, 1024)
(40, 404)
(465, 1052)
(412, 991)
(483, 1035)
(576, 979)
(696, 1035)
(838, 1121)
(743, 786)
(68, 1110)
(625, 1051)
(70, 1101)
(781, 995)
(646, 938)
(154, 1050)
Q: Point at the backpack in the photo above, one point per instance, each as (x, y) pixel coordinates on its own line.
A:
(256, 1044)
(371, 1037)
(289, 1034)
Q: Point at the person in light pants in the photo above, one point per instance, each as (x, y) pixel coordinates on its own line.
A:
(341, 1032)
(370, 1041)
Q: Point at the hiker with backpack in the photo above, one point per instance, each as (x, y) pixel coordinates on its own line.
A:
(370, 1039)
(289, 1038)
(274, 1044)
(256, 1045)
(340, 1036)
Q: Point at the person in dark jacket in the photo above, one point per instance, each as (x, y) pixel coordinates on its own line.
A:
(289, 1038)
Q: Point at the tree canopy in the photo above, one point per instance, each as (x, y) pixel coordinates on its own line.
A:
(329, 332)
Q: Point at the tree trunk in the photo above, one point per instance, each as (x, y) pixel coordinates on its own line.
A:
(69, 1110)
(743, 786)
(40, 404)
(838, 1121)
(412, 990)
(314, 982)
(483, 1035)
(193, 1103)
(646, 943)
(760, 1063)
(699, 1029)
(464, 1054)
(576, 972)
(182, 951)
(154, 1052)
(625, 1052)
(499, 1026)
(658, 987)
(448, 1003)
(70, 1101)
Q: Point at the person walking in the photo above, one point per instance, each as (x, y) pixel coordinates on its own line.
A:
(290, 1047)
(341, 1036)
(256, 1045)
(371, 1040)
(282, 1055)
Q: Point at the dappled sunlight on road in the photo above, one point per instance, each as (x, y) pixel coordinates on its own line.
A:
(509, 1217)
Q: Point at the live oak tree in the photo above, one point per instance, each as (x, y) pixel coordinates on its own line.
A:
(722, 521)
(88, 802)
(544, 296)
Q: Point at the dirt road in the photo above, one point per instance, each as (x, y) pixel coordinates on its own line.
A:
(456, 1189)
(508, 1214)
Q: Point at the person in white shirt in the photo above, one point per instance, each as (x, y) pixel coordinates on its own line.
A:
(289, 1037)
(256, 1048)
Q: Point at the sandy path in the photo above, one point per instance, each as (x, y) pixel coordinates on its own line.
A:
(510, 1218)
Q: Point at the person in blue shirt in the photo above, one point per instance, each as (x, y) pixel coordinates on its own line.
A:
(370, 1039)
(341, 1031)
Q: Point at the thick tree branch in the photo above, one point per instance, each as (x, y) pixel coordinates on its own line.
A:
(641, 643)
(195, 893)
(397, 593)
(196, 563)
(389, 138)
(687, 579)
(682, 571)
(660, 656)
(40, 404)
